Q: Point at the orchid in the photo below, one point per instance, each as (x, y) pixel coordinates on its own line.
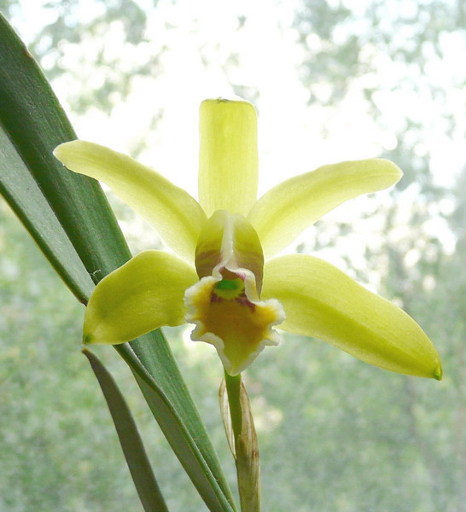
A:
(225, 276)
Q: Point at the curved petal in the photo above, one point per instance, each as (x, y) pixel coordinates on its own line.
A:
(228, 241)
(142, 295)
(228, 156)
(321, 301)
(176, 215)
(281, 214)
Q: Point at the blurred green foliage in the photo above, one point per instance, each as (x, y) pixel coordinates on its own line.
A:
(335, 434)
(53, 426)
(58, 448)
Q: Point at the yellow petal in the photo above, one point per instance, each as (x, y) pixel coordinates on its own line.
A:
(321, 301)
(238, 327)
(142, 295)
(228, 156)
(228, 241)
(285, 211)
(176, 215)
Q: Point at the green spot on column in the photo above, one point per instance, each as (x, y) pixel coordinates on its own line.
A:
(229, 288)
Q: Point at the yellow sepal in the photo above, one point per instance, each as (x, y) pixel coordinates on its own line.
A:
(286, 210)
(228, 162)
(177, 217)
(321, 301)
(142, 295)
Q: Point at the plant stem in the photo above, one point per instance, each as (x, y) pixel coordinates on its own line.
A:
(245, 444)
(233, 385)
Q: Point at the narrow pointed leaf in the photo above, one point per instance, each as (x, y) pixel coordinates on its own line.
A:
(130, 440)
(168, 409)
(35, 124)
(25, 197)
(283, 212)
(321, 301)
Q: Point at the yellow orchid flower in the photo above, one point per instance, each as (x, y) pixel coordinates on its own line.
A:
(224, 278)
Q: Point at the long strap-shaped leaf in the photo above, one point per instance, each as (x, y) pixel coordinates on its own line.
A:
(69, 217)
(130, 440)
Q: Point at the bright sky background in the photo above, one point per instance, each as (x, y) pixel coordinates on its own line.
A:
(293, 138)
(290, 135)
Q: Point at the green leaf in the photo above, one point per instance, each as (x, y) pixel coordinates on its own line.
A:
(25, 197)
(130, 440)
(35, 124)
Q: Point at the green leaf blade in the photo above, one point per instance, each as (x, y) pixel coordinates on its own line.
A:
(24, 196)
(35, 124)
(130, 440)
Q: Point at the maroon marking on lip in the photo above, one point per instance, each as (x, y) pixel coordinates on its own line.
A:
(241, 299)
(215, 298)
(244, 301)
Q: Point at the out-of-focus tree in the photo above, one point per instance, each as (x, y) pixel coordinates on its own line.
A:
(337, 434)
(97, 47)
(402, 58)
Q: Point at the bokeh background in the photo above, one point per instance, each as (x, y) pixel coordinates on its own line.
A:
(331, 80)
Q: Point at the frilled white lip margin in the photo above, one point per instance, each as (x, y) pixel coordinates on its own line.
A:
(200, 295)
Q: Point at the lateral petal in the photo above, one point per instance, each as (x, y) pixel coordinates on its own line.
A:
(176, 215)
(228, 156)
(323, 302)
(144, 294)
(281, 214)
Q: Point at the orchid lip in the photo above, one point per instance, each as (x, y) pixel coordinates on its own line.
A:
(226, 317)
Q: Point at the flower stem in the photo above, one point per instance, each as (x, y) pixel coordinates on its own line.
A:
(233, 385)
(245, 444)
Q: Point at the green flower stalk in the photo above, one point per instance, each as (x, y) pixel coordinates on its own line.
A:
(225, 277)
